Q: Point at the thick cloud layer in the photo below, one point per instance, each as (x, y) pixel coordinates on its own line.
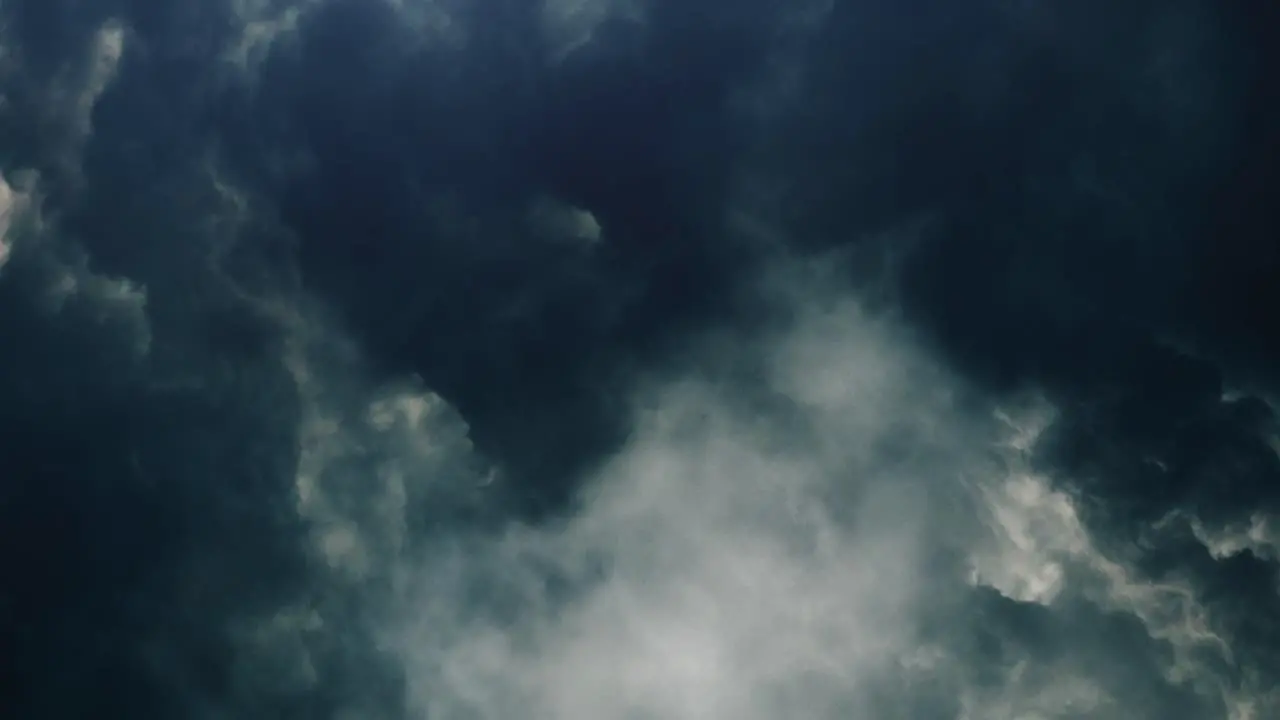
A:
(638, 359)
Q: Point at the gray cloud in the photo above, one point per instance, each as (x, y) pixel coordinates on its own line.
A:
(730, 561)
(708, 570)
(486, 372)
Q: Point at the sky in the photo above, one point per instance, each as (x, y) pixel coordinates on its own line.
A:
(639, 360)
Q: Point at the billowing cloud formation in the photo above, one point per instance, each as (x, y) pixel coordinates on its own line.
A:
(728, 561)
(435, 359)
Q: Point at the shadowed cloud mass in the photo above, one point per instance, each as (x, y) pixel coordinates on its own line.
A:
(639, 359)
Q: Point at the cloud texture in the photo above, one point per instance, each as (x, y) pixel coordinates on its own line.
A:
(478, 360)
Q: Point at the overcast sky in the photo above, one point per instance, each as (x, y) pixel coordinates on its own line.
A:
(639, 360)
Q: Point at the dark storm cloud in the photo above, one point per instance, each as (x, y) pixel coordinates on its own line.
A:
(424, 157)
(819, 361)
(1069, 162)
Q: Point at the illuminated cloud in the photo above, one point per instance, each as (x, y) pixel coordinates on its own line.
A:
(708, 570)
(559, 222)
(263, 23)
(11, 206)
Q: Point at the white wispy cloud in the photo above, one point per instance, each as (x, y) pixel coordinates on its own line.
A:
(263, 23)
(12, 205)
(62, 273)
(568, 25)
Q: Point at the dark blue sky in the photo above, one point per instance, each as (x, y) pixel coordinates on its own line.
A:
(613, 359)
